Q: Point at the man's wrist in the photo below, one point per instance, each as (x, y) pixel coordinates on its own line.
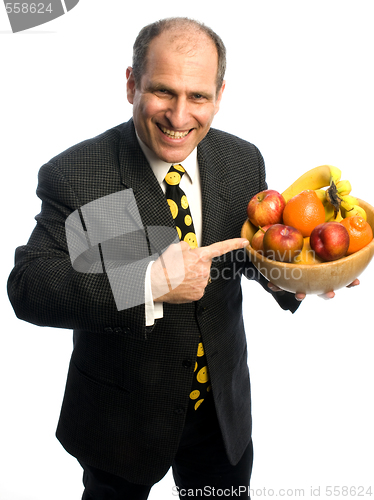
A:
(160, 282)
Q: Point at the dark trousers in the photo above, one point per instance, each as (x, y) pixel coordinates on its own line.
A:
(201, 465)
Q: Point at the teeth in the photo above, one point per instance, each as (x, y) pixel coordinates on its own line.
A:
(173, 133)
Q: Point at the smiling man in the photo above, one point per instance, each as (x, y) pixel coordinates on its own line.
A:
(164, 383)
(176, 98)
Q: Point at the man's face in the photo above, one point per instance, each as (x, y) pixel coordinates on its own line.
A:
(175, 102)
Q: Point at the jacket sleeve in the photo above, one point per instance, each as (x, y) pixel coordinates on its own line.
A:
(285, 300)
(48, 289)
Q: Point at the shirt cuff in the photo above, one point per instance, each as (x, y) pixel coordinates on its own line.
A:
(153, 310)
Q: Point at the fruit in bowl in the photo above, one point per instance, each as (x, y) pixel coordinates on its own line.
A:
(360, 233)
(330, 241)
(325, 263)
(258, 239)
(316, 277)
(266, 208)
(304, 211)
(282, 243)
(307, 255)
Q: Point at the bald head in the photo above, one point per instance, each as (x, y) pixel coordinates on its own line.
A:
(185, 35)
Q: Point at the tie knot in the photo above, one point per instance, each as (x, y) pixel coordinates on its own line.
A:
(174, 175)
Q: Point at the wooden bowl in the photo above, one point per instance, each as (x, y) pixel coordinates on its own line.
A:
(314, 278)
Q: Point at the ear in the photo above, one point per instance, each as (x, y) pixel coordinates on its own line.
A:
(219, 98)
(130, 85)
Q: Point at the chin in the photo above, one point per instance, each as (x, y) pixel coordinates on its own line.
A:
(171, 155)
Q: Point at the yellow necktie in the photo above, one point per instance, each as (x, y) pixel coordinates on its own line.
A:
(181, 213)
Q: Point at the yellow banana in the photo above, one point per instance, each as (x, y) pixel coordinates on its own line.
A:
(335, 218)
(321, 193)
(347, 203)
(348, 198)
(350, 207)
(316, 178)
(356, 211)
(335, 174)
(343, 188)
(329, 211)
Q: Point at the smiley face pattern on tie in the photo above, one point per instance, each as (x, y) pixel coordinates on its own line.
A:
(179, 207)
(200, 386)
(181, 214)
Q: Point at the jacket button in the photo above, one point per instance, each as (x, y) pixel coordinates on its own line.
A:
(118, 329)
(187, 363)
(108, 329)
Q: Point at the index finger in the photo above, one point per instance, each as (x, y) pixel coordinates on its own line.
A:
(222, 247)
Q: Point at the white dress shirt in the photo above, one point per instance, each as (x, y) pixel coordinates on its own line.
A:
(190, 184)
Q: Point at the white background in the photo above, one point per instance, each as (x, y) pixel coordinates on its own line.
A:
(300, 86)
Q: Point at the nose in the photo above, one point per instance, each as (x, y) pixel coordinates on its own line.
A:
(178, 113)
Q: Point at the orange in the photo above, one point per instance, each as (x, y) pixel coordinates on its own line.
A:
(304, 212)
(360, 233)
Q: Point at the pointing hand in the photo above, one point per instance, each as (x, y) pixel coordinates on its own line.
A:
(187, 270)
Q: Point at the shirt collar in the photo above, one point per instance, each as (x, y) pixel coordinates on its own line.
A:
(161, 168)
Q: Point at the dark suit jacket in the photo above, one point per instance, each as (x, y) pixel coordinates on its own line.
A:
(128, 385)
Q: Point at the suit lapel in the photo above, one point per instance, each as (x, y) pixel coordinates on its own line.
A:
(215, 190)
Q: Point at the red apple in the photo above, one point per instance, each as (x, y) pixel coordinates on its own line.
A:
(330, 241)
(257, 239)
(266, 208)
(282, 243)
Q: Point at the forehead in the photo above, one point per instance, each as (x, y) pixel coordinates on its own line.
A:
(185, 55)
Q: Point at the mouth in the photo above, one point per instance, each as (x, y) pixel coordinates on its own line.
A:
(173, 134)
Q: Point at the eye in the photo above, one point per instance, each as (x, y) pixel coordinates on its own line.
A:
(199, 97)
(162, 92)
